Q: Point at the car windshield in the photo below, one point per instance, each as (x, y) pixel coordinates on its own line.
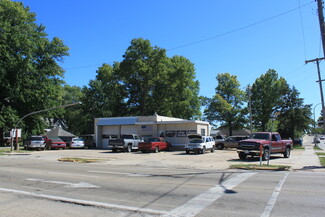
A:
(77, 139)
(264, 136)
(196, 141)
(153, 140)
(38, 138)
(127, 137)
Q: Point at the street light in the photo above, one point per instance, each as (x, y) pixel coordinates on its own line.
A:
(314, 115)
(36, 112)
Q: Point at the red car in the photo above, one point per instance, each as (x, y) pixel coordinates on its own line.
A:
(55, 144)
(154, 144)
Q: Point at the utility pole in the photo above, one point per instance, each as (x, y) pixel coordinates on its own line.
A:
(321, 22)
(322, 31)
(320, 86)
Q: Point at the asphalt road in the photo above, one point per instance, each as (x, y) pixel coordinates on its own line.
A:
(34, 187)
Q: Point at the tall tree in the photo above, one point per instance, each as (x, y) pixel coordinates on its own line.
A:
(295, 117)
(29, 73)
(142, 67)
(226, 105)
(158, 84)
(182, 89)
(266, 98)
(105, 97)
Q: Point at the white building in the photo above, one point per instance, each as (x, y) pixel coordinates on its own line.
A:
(175, 130)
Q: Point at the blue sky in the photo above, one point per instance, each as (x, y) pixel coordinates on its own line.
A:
(243, 38)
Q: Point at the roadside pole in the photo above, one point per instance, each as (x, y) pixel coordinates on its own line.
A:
(32, 113)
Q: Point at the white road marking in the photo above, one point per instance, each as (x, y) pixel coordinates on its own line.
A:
(119, 173)
(200, 202)
(73, 174)
(275, 194)
(86, 202)
(67, 184)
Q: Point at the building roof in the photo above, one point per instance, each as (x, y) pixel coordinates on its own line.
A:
(58, 132)
(143, 120)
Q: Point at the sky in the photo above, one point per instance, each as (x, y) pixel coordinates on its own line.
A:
(243, 38)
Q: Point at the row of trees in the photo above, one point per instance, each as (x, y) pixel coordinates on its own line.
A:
(269, 98)
(145, 82)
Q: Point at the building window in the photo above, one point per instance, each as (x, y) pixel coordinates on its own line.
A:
(146, 127)
(202, 132)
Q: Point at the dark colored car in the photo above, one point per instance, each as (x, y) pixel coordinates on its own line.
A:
(230, 142)
(55, 144)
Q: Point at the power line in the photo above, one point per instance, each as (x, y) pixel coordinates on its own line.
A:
(240, 28)
(303, 30)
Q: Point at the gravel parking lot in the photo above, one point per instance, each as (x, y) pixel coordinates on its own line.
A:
(220, 159)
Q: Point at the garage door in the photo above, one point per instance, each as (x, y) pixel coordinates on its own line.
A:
(110, 130)
(129, 129)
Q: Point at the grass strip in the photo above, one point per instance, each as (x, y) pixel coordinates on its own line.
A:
(258, 167)
(81, 160)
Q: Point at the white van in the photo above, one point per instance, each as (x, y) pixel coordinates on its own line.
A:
(199, 144)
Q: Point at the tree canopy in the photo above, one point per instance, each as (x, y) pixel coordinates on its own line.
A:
(226, 105)
(30, 76)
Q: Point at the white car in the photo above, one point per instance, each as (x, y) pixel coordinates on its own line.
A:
(77, 143)
(199, 144)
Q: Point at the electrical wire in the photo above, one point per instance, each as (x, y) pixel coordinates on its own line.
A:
(303, 30)
(240, 28)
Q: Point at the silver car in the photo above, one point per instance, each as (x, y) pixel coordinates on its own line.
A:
(77, 143)
(35, 142)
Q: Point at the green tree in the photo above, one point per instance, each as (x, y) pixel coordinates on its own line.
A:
(181, 89)
(142, 67)
(226, 105)
(267, 96)
(29, 72)
(72, 116)
(158, 84)
(105, 97)
(295, 117)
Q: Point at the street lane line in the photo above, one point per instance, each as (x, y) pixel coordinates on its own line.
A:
(275, 194)
(119, 173)
(200, 202)
(86, 202)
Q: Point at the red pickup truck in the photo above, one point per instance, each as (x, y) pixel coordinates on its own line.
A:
(154, 144)
(271, 144)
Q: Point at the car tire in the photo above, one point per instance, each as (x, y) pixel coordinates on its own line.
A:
(286, 154)
(212, 149)
(156, 149)
(187, 151)
(204, 150)
(196, 151)
(242, 156)
(220, 146)
(266, 154)
(114, 150)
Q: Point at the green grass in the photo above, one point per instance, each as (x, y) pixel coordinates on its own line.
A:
(317, 148)
(322, 161)
(299, 147)
(258, 167)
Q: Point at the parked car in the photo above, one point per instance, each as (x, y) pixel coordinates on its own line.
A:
(316, 140)
(56, 143)
(127, 142)
(199, 144)
(154, 144)
(76, 143)
(35, 142)
(271, 143)
(230, 142)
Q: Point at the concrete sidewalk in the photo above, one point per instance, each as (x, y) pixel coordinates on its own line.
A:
(308, 160)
